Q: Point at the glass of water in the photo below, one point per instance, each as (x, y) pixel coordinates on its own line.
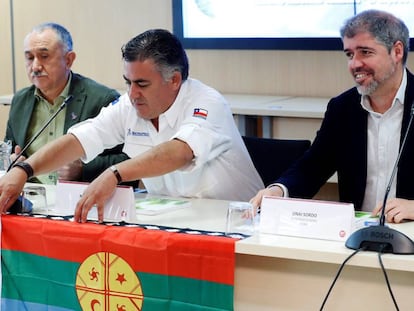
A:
(34, 199)
(240, 218)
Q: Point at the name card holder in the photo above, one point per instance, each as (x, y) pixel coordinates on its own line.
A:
(306, 218)
(119, 207)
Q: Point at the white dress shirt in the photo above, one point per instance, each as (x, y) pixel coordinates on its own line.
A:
(200, 116)
(384, 131)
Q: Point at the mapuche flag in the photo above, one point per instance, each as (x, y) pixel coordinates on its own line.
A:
(60, 265)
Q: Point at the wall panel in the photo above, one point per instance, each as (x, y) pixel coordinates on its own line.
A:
(6, 72)
(100, 27)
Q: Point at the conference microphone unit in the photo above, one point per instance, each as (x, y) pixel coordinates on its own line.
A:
(17, 205)
(380, 238)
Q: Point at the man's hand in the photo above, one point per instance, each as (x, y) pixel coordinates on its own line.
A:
(11, 186)
(71, 171)
(96, 195)
(13, 156)
(396, 210)
(272, 191)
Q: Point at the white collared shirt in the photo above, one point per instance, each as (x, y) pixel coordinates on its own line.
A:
(201, 117)
(384, 132)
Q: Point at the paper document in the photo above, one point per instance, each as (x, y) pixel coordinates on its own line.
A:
(365, 219)
(158, 205)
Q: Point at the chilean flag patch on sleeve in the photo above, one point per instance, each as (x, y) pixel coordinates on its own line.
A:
(200, 113)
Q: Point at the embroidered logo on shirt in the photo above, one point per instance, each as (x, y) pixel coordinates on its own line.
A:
(133, 133)
(200, 113)
(73, 116)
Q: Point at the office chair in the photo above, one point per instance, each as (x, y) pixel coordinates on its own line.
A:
(272, 157)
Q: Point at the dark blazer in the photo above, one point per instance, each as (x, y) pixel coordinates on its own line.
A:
(89, 98)
(341, 146)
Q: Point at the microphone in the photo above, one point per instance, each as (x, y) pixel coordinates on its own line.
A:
(380, 238)
(17, 205)
(40, 131)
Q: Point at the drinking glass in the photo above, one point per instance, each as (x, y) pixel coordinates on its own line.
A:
(240, 218)
(34, 199)
(5, 151)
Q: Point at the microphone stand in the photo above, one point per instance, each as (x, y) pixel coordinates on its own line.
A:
(40, 131)
(17, 205)
(380, 238)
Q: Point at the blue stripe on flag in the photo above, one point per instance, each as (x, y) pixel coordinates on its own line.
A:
(12, 304)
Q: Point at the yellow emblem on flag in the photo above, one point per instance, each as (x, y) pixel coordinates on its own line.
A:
(106, 282)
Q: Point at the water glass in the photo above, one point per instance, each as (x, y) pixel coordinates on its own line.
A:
(34, 199)
(5, 152)
(240, 218)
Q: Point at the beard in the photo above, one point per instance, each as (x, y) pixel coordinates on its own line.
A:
(375, 83)
(368, 89)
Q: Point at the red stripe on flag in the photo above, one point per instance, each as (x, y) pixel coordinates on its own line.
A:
(202, 257)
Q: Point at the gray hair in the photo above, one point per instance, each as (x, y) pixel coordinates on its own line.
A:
(162, 47)
(383, 26)
(62, 33)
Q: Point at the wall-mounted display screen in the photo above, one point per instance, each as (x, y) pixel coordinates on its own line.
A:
(273, 24)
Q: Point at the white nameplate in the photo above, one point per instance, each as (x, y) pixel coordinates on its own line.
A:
(306, 218)
(119, 207)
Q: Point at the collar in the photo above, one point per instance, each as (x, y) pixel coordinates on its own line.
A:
(62, 96)
(175, 110)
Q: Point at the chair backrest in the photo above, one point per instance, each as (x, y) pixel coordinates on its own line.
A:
(272, 157)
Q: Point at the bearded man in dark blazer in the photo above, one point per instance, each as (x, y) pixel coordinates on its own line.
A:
(363, 128)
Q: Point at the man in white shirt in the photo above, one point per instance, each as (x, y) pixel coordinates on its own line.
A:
(178, 132)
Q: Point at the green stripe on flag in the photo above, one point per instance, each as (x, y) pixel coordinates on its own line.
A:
(39, 279)
(48, 281)
(188, 291)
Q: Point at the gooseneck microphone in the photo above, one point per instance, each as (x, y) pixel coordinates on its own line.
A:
(17, 205)
(40, 131)
(380, 238)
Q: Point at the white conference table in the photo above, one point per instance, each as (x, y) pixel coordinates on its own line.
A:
(291, 113)
(276, 272)
(270, 108)
(287, 273)
(6, 99)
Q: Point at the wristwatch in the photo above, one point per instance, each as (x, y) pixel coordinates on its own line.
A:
(26, 167)
(116, 173)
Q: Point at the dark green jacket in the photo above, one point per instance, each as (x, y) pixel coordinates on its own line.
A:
(88, 99)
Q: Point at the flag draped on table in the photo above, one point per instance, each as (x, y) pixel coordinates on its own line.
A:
(60, 265)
